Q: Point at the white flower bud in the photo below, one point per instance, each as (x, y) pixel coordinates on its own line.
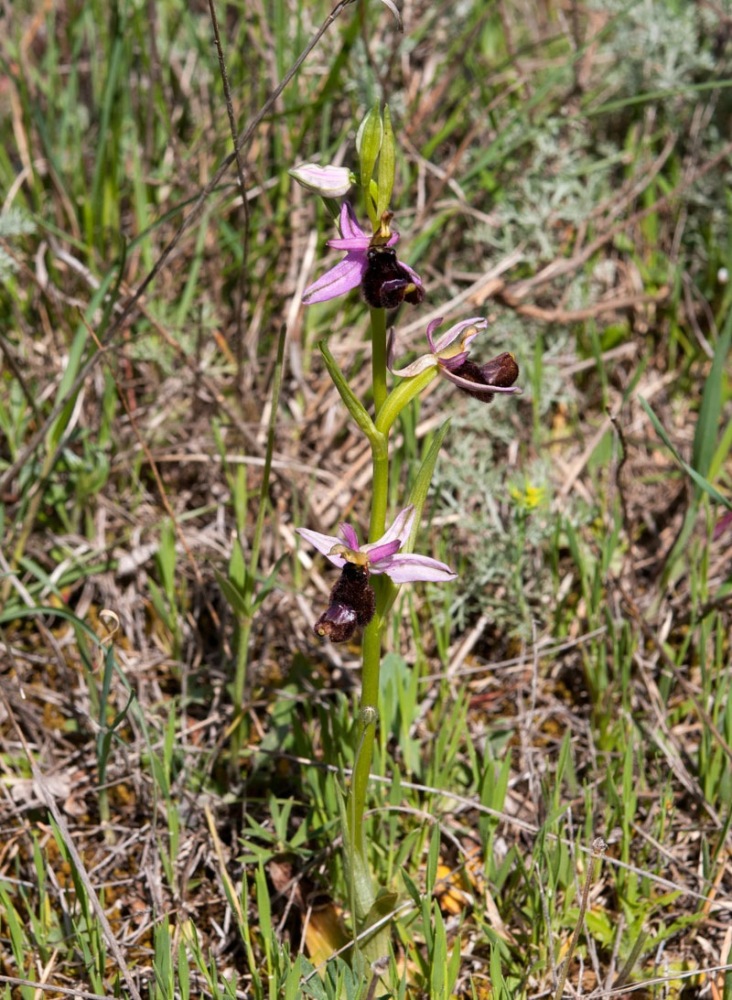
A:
(327, 181)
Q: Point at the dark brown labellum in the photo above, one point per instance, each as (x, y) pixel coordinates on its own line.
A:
(501, 371)
(385, 281)
(352, 604)
(337, 623)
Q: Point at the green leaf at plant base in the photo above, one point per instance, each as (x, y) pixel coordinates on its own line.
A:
(358, 876)
(376, 945)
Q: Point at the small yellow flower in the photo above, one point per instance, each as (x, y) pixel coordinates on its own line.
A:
(528, 497)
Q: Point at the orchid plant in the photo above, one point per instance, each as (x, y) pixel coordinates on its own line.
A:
(371, 573)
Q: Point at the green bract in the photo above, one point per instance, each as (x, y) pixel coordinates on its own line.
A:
(368, 144)
(387, 166)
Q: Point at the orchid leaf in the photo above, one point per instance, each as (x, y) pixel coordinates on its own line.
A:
(401, 396)
(376, 945)
(421, 486)
(353, 405)
(358, 876)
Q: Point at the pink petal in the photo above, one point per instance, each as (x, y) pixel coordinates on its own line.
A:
(430, 330)
(451, 335)
(349, 226)
(342, 278)
(382, 551)
(400, 529)
(323, 543)
(351, 229)
(328, 180)
(417, 366)
(358, 243)
(407, 567)
(455, 361)
(465, 383)
(349, 536)
(361, 244)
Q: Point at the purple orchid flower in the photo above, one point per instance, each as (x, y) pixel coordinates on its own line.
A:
(369, 262)
(352, 600)
(382, 556)
(453, 361)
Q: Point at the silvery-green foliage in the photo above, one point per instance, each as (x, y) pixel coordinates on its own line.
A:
(13, 223)
(657, 45)
(473, 488)
(650, 56)
(562, 186)
(504, 572)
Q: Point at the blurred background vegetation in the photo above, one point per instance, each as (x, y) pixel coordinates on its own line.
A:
(169, 728)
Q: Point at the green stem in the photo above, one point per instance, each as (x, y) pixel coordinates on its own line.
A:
(242, 652)
(368, 716)
(378, 357)
(372, 646)
(366, 728)
(380, 479)
(380, 456)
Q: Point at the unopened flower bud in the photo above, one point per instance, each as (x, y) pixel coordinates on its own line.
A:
(327, 181)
